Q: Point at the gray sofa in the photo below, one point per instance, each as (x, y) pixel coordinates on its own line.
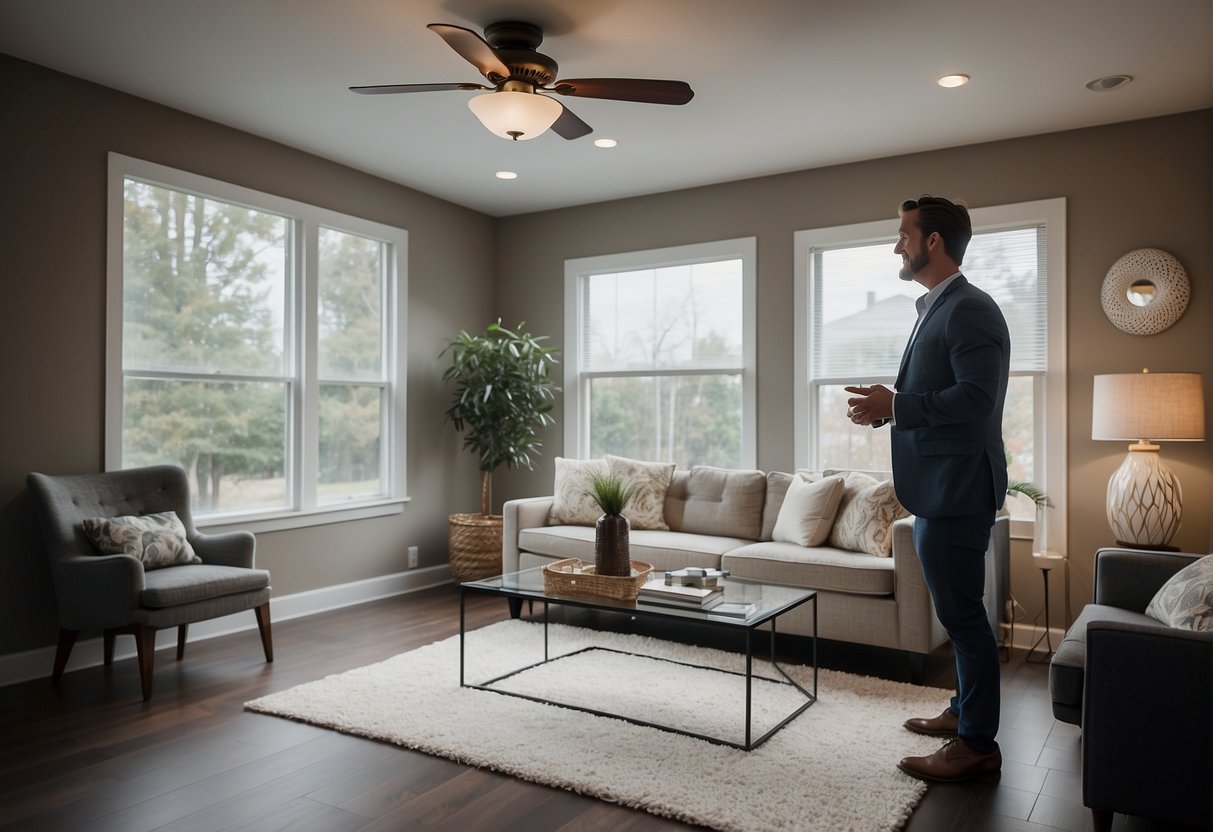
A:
(1142, 693)
(862, 598)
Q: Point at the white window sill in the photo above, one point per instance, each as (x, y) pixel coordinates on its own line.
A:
(277, 521)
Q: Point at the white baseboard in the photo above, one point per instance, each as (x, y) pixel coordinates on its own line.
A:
(1026, 636)
(38, 663)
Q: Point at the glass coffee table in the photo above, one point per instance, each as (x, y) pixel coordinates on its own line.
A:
(770, 601)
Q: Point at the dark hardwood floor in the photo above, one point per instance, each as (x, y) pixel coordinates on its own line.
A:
(93, 756)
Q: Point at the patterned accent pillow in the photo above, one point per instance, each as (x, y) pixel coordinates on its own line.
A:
(646, 510)
(866, 515)
(1186, 600)
(808, 510)
(571, 505)
(156, 539)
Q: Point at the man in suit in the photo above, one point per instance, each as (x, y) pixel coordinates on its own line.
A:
(949, 468)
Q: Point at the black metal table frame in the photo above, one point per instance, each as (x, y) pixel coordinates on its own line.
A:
(749, 744)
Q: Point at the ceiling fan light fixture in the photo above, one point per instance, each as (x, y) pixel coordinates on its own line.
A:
(605, 142)
(516, 115)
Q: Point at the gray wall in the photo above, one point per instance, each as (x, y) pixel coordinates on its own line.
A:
(1144, 183)
(55, 132)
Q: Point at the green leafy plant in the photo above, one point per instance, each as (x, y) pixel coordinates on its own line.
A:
(610, 492)
(1032, 491)
(504, 394)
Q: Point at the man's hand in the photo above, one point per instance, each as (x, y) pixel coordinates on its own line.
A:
(870, 405)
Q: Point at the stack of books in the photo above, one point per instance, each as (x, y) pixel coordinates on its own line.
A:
(657, 591)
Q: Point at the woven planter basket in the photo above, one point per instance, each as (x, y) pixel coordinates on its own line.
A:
(475, 546)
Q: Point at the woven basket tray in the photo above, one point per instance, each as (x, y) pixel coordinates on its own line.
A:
(586, 584)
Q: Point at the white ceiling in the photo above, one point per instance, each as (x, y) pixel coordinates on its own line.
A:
(780, 85)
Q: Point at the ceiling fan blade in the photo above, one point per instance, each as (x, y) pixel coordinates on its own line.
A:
(570, 126)
(473, 49)
(390, 89)
(627, 89)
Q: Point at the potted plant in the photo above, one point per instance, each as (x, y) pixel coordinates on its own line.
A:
(612, 555)
(504, 394)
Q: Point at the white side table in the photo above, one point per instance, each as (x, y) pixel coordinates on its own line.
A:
(1046, 562)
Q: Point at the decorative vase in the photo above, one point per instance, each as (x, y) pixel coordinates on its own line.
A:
(611, 553)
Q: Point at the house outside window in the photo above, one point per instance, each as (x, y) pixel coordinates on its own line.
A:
(256, 342)
(854, 316)
(659, 357)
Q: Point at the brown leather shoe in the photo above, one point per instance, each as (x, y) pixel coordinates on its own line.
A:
(954, 762)
(944, 725)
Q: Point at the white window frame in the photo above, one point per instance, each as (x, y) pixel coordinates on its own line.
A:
(1050, 429)
(576, 382)
(302, 462)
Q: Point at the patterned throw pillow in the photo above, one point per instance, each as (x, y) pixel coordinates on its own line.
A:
(808, 510)
(156, 539)
(571, 506)
(1186, 600)
(866, 515)
(646, 510)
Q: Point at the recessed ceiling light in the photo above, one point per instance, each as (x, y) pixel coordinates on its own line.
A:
(605, 142)
(957, 80)
(1108, 82)
(506, 174)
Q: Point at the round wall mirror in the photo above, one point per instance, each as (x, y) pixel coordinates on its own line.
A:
(1145, 292)
(1142, 292)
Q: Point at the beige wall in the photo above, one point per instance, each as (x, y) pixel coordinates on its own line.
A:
(1144, 183)
(1129, 185)
(55, 133)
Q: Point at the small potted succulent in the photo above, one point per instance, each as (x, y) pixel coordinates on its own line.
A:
(612, 555)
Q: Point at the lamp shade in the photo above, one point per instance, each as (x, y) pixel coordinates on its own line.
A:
(1145, 405)
(516, 115)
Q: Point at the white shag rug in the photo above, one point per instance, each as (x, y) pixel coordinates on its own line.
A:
(833, 768)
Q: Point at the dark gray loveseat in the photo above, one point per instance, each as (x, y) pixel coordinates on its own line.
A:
(1142, 693)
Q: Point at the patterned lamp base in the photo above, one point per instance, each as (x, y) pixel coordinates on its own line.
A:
(1145, 502)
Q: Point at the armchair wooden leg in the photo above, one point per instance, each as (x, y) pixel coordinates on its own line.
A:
(181, 631)
(145, 645)
(263, 624)
(1101, 819)
(107, 639)
(67, 640)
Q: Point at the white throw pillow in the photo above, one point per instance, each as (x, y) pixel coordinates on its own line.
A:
(571, 505)
(646, 509)
(1186, 600)
(808, 510)
(158, 540)
(866, 515)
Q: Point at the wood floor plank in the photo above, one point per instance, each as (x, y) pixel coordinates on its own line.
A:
(94, 756)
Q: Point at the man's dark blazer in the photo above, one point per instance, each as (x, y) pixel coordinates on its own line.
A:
(947, 438)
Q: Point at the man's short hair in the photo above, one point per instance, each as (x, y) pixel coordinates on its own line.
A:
(949, 219)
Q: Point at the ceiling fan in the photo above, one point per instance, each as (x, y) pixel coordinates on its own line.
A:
(516, 107)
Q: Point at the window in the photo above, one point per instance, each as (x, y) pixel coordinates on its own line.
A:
(854, 316)
(255, 342)
(659, 357)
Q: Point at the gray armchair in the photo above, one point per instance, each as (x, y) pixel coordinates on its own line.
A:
(1142, 693)
(113, 593)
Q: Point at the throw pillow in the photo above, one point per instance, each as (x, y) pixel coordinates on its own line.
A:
(158, 540)
(571, 505)
(1186, 600)
(865, 516)
(646, 510)
(808, 510)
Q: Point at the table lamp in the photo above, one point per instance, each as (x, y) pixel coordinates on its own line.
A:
(1145, 502)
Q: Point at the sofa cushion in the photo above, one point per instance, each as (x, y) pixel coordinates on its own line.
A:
(866, 515)
(665, 550)
(716, 501)
(571, 505)
(1066, 670)
(808, 511)
(777, 489)
(646, 509)
(821, 567)
(1186, 599)
(177, 585)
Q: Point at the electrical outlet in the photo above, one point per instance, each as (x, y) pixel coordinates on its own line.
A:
(412, 557)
